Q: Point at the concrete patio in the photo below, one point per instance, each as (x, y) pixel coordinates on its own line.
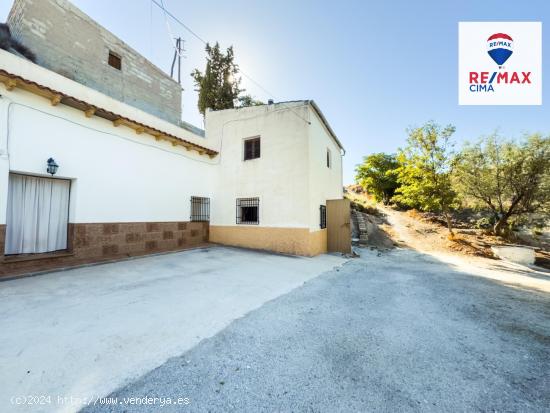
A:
(86, 332)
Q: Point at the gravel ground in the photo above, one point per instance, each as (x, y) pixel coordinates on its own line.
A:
(393, 331)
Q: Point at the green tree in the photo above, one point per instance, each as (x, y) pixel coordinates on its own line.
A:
(378, 175)
(218, 86)
(509, 178)
(247, 100)
(424, 173)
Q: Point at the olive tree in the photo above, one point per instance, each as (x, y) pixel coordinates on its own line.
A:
(509, 178)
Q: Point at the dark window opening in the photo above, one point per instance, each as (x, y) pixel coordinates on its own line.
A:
(115, 61)
(200, 208)
(248, 211)
(328, 158)
(323, 210)
(251, 148)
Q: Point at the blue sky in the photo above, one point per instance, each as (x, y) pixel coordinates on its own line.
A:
(374, 67)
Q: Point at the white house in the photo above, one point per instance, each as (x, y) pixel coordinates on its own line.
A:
(285, 161)
(130, 183)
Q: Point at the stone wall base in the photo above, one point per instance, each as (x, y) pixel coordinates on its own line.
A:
(89, 243)
(295, 241)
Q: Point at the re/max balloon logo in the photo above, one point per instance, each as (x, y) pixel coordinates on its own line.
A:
(499, 63)
(500, 46)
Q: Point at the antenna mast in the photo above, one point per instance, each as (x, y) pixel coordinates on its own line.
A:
(178, 50)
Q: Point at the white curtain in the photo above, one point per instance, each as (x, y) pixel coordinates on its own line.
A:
(38, 214)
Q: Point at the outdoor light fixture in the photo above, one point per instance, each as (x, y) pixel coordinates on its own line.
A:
(52, 166)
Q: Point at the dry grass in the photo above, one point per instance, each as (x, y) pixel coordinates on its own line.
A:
(434, 232)
(429, 230)
(413, 213)
(363, 203)
(469, 245)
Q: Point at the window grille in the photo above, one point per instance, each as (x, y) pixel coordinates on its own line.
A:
(323, 211)
(200, 208)
(248, 211)
(251, 148)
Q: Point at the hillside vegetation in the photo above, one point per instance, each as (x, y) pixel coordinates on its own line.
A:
(496, 185)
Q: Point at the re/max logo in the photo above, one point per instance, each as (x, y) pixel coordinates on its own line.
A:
(483, 81)
(500, 43)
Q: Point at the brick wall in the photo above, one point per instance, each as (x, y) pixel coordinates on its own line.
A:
(90, 243)
(68, 42)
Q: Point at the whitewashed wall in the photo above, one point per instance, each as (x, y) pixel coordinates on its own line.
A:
(279, 177)
(325, 183)
(290, 178)
(4, 160)
(118, 176)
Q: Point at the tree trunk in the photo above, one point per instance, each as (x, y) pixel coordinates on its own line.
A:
(499, 226)
(503, 219)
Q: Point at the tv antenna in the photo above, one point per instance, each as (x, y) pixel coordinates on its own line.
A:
(178, 53)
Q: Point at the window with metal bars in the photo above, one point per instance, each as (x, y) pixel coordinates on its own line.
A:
(251, 148)
(248, 211)
(200, 208)
(323, 211)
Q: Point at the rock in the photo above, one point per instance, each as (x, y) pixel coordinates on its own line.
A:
(518, 254)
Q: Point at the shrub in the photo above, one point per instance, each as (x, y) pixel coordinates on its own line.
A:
(483, 223)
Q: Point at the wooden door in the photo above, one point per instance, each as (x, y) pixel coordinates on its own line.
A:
(338, 225)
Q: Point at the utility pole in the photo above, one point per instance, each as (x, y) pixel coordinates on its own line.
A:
(177, 54)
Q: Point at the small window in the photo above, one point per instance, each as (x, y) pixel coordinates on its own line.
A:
(115, 61)
(329, 159)
(323, 210)
(200, 208)
(248, 211)
(251, 148)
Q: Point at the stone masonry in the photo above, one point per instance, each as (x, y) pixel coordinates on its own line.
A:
(90, 243)
(67, 41)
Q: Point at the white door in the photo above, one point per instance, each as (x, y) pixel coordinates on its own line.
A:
(37, 215)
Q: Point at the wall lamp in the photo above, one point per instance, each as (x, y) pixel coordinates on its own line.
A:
(52, 166)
